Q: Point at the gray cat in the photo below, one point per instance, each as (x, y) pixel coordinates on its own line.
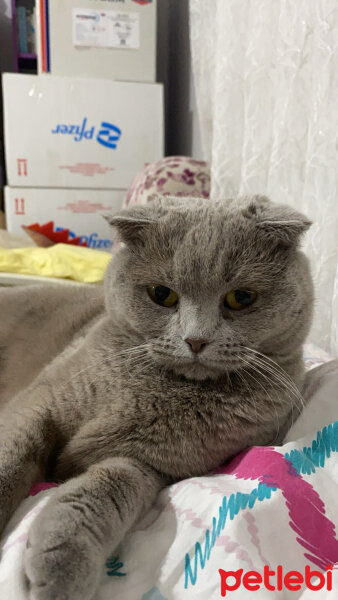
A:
(194, 353)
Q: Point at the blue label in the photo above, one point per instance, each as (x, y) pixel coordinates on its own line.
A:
(93, 240)
(108, 134)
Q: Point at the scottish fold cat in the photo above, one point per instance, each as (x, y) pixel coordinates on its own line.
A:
(192, 352)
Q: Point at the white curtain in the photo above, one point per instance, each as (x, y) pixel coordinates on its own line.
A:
(266, 82)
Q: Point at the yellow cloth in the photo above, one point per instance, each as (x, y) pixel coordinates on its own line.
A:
(62, 260)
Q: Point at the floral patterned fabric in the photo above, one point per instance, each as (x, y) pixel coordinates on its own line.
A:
(171, 176)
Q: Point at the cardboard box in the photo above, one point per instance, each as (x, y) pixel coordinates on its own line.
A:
(81, 211)
(65, 132)
(109, 39)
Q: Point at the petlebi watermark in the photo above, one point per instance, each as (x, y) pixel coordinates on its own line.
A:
(276, 579)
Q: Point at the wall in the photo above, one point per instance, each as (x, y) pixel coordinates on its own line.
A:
(196, 141)
(6, 46)
(174, 70)
(6, 64)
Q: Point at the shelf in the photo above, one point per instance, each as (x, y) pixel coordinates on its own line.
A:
(27, 56)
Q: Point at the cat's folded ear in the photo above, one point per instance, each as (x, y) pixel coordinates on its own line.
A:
(133, 223)
(281, 224)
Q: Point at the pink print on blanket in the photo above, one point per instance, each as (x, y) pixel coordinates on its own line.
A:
(314, 530)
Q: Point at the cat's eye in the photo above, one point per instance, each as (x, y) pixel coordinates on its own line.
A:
(162, 295)
(239, 299)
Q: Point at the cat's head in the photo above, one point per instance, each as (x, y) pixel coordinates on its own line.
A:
(206, 285)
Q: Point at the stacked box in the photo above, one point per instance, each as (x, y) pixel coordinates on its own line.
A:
(65, 134)
(81, 211)
(109, 39)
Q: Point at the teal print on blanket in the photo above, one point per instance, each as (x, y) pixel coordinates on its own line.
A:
(306, 460)
(285, 475)
(229, 508)
(113, 567)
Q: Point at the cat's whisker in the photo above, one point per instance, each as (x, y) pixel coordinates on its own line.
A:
(127, 351)
(145, 366)
(131, 359)
(247, 388)
(273, 375)
(278, 367)
(75, 375)
(264, 391)
(285, 384)
(277, 370)
(135, 352)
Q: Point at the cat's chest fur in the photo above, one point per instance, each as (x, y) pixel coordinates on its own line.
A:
(179, 427)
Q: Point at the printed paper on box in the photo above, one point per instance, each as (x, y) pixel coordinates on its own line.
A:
(108, 29)
(105, 39)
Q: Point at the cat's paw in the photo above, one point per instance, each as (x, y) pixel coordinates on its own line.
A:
(60, 563)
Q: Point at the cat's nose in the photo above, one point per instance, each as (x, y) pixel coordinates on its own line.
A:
(196, 345)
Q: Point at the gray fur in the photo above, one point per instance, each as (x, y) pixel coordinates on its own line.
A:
(105, 394)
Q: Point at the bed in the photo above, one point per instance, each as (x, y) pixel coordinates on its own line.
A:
(270, 506)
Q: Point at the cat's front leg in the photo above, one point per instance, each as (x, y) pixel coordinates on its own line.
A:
(82, 524)
(27, 436)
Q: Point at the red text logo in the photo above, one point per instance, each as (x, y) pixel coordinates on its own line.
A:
(19, 204)
(22, 166)
(275, 580)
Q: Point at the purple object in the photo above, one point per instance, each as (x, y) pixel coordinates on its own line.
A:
(41, 487)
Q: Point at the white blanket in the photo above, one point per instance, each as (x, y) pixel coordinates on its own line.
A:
(269, 507)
